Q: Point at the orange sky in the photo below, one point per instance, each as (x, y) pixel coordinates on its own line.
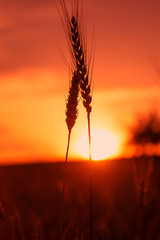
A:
(34, 79)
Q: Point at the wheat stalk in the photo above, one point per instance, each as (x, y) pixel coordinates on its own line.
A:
(71, 111)
(80, 62)
(77, 43)
(71, 116)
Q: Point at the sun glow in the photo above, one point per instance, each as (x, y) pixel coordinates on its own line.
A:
(104, 144)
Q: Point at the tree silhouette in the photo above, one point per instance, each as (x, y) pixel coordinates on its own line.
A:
(146, 131)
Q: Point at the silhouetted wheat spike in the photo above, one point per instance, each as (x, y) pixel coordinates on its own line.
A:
(81, 65)
(71, 107)
(71, 116)
(71, 113)
(72, 102)
(78, 53)
(79, 58)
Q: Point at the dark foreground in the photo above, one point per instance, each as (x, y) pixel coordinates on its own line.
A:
(31, 196)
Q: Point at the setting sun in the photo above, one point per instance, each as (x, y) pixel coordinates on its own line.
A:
(104, 144)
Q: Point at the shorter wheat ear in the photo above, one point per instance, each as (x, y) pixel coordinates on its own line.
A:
(72, 102)
(71, 116)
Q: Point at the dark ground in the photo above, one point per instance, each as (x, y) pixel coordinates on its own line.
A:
(32, 198)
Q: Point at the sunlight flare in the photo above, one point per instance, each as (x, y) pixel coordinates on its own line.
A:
(104, 144)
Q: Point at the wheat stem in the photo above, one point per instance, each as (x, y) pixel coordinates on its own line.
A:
(64, 181)
(90, 178)
(66, 159)
(71, 116)
(80, 62)
(79, 58)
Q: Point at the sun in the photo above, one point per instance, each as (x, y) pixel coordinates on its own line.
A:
(104, 144)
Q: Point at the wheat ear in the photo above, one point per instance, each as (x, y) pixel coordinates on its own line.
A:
(79, 58)
(72, 108)
(72, 102)
(78, 53)
(71, 116)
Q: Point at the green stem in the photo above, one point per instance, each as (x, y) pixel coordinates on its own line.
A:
(90, 176)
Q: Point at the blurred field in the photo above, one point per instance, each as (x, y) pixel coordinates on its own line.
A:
(35, 192)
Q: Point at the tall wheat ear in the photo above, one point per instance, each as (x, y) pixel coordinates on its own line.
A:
(77, 45)
(79, 58)
(72, 27)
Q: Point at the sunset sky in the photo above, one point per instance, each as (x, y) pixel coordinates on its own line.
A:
(34, 79)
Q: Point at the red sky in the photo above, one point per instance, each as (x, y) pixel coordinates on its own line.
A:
(34, 79)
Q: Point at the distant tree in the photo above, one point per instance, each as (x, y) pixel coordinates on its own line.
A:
(146, 131)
